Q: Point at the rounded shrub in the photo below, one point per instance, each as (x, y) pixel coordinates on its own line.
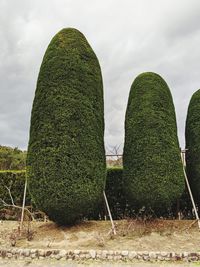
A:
(153, 172)
(192, 135)
(66, 156)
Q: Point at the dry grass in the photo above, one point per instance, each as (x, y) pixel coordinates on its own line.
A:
(165, 235)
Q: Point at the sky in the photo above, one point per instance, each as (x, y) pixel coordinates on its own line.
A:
(128, 36)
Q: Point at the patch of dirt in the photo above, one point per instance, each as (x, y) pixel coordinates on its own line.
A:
(157, 235)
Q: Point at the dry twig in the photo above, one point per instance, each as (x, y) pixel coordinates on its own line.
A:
(13, 205)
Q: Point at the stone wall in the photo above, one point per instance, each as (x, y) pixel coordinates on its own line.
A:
(19, 253)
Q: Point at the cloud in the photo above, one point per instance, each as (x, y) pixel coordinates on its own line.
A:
(129, 37)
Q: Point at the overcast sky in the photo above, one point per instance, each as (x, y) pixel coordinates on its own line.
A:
(128, 37)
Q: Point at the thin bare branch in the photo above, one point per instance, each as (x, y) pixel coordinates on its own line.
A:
(12, 201)
(13, 204)
(16, 207)
(3, 202)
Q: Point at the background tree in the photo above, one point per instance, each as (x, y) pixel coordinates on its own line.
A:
(12, 158)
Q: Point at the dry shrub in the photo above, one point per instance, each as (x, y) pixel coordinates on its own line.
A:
(100, 240)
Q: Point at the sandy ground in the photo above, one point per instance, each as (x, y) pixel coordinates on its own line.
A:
(159, 235)
(74, 264)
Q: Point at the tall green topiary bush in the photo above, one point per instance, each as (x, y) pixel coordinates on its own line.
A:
(192, 135)
(153, 174)
(66, 157)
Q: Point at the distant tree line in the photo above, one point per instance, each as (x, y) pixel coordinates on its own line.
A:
(12, 158)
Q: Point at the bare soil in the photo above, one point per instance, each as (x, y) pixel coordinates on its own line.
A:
(52, 263)
(157, 235)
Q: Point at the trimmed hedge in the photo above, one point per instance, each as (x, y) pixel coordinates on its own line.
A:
(192, 135)
(153, 174)
(119, 206)
(114, 192)
(66, 156)
(15, 180)
(117, 202)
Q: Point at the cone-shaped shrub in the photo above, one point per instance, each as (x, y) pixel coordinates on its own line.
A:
(192, 135)
(153, 174)
(66, 157)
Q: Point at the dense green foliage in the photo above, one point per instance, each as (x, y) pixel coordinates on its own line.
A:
(66, 157)
(12, 158)
(192, 135)
(119, 205)
(153, 174)
(114, 192)
(15, 181)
